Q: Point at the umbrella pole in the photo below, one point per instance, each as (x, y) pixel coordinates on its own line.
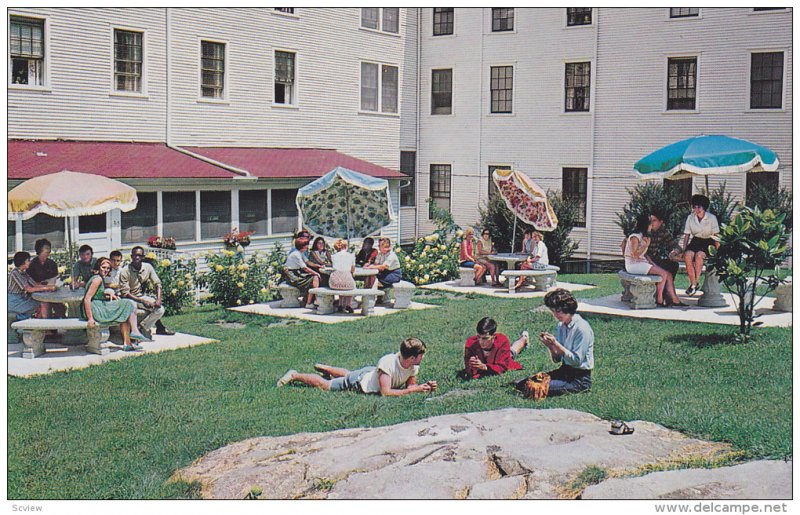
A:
(708, 191)
(514, 235)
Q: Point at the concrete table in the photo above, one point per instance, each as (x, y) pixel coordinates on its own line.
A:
(72, 298)
(509, 259)
(360, 272)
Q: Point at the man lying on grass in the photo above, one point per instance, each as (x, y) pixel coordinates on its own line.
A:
(491, 353)
(396, 374)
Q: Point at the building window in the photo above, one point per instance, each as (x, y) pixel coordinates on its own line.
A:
(142, 222)
(42, 226)
(285, 78)
(682, 83)
(27, 51)
(440, 186)
(443, 21)
(128, 60)
(769, 181)
(386, 19)
(215, 214)
(573, 187)
(284, 211)
(502, 88)
(213, 69)
(179, 215)
(684, 12)
(379, 90)
(502, 19)
(493, 191)
(760, 9)
(577, 84)
(11, 236)
(442, 91)
(579, 16)
(253, 211)
(679, 189)
(766, 80)
(284, 10)
(91, 224)
(408, 166)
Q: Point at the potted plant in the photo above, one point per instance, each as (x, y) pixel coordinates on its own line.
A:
(236, 239)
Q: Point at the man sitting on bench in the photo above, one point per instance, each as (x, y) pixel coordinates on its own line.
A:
(537, 259)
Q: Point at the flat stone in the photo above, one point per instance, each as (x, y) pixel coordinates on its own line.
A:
(502, 454)
(754, 480)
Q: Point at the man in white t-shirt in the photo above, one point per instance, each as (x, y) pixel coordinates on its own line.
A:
(395, 375)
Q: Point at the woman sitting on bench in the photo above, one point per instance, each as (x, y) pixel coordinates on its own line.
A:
(637, 263)
(344, 265)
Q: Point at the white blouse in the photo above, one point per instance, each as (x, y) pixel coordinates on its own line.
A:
(708, 227)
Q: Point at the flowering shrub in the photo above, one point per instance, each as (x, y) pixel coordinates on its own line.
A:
(178, 279)
(433, 259)
(236, 238)
(234, 279)
(159, 242)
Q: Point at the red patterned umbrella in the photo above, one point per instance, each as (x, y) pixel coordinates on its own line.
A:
(525, 199)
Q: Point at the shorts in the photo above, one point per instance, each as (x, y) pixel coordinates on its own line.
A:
(352, 381)
(700, 244)
(638, 268)
(468, 264)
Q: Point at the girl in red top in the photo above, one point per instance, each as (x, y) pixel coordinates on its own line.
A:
(466, 256)
(491, 353)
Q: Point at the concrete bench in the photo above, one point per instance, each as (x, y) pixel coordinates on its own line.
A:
(325, 297)
(783, 296)
(638, 290)
(34, 329)
(467, 276)
(290, 296)
(543, 279)
(402, 293)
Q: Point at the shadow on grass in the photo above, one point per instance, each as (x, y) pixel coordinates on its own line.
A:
(700, 341)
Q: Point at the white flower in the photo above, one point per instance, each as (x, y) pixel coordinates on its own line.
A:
(174, 291)
(180, 283)
(459, 233)
(252, 302)
(61, 269)
(188, 276)
(240, 284)
(239, 302)
(408, 258)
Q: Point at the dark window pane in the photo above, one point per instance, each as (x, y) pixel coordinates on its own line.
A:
(408, 165)
(26, 49)
(284, 77)
(284, 211)
(369, 87)
(142, 222)
(253, 211)
(212, 66)
(12, 237)
(501, 88)
(502, 19)
(215, 214)
(442, 92)
(574, 181)
(391, 19)
(42, 226)
(440, 186)
(179, 215)
(369, 17)
(389, 84)
(682, 83)
(680, 188)
(768, 180)
(766, 80)
(443, 21)
(128, 60)
(579, 16)
(286, 10)
(91, 224)
(577, 83)
(684, 12)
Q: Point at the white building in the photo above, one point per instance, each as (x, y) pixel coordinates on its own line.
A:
(571, 96)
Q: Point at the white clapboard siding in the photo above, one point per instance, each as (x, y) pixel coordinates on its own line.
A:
(408, 101)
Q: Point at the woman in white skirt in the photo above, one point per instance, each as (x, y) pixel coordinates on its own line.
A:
(637, 263)
(344, 265)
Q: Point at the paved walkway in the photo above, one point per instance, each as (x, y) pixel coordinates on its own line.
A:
(273, 309)
(501, 292)
(612, 305)
(60, 357)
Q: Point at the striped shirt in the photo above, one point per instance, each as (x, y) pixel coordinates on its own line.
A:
(18, 281)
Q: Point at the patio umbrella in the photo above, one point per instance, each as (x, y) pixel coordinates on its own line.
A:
(526, 200)
(66, 193)
(345, 204)
(706, 155)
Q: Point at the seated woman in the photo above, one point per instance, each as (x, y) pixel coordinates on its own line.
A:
(367, 254)
(466, 255)
(319, 258)
(20, 287)
(297, 273)
(537, 257)
(636, 261)
(388, 266)
(490, 352)
(44, 271)
(344, 265)
(485, 248)
(702, 227)
(97, 308)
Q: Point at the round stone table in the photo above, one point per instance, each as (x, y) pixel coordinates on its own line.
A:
(72, 298)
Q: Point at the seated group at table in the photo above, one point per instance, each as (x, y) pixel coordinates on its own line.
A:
(474, 253)
(487, 353)
(112, 292)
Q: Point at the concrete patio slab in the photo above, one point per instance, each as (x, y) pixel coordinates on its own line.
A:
(501, 292)
(612, 305)
(60, 357)
(273, 309)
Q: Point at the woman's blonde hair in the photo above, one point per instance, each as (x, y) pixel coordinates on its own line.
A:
(339, 244)
(469, 230)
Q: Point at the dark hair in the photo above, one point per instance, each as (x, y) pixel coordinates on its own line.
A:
(84, 248)
(100, 261)
(561, 300)
(319, 238)
(700, 200)
(303, 233)
(368, 242)
(412, 347)
(41, 244)
(299, 243)
(486, 325)
(137, 247)
(660, 214)
(20, 258)
(642, 223)
(528, 231)
(115, 253)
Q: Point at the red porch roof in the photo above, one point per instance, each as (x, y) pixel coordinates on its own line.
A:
(292, 162)
(117, 160)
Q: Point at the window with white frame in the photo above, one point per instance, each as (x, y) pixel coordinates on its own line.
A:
(26, 50)
(42, 226)
(766, 80)
(285, 78)
(573, 186)
(440, 186)
(502, 19)
(577, 86)
(142, 222)
(179, 215)
(579, 16)
(253, 211)
(682, 83)
(11, 235)
(443, 18)
(501, 87)
(128, 58)
(284, 211)
(89, 224)
(284, 10)
(215, 214)
(684, 12)
(379, 87)
(386, 19)
(212, 66)
(442, 91)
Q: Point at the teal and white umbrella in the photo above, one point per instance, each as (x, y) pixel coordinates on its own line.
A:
(345, 204)
(706, 155)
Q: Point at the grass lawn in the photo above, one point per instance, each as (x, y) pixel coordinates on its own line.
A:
(121, 429)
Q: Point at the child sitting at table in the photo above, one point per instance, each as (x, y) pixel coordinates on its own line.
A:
(490, 352)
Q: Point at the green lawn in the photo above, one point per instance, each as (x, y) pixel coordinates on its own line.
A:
(120, 430)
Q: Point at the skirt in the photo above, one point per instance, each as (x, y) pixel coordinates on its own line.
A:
(342, 280)
(300, 279)
(638, 267)
(700, 244)
(111, 311)
(21, 304)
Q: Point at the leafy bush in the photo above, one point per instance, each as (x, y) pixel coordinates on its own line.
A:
(721, 203)
(651, 197)
(764, 197)
(433, 259)
(750, 245)
(178, 280)
(234, 279)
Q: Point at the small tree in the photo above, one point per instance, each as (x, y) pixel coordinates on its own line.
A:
(752, 243)
(764, 197)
